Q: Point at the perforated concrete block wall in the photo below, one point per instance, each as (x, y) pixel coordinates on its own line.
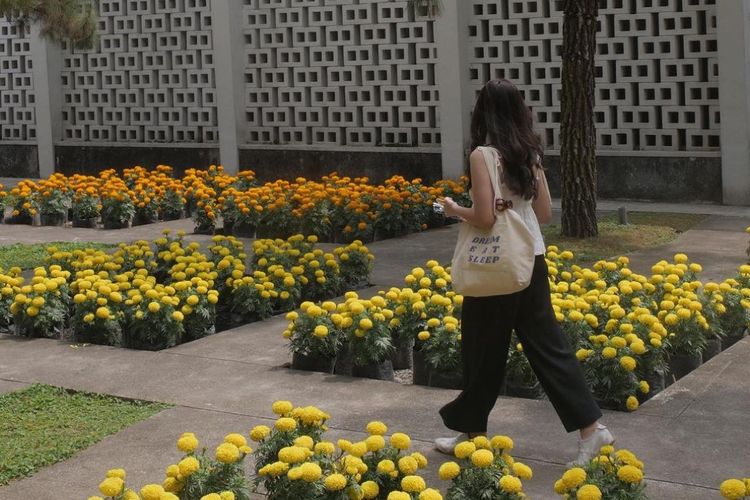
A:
(149, 79)
(17, 113)
(363, 74)
(657, 68)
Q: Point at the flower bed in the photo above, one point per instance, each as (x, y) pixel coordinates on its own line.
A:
(159, 294)
(628, 331)
(292, 461)
(335, 209)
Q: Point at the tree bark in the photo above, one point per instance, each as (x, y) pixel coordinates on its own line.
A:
(577, 129)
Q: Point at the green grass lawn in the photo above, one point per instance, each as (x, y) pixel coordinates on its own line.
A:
(645, 230)
(28, 256)
(42, 425)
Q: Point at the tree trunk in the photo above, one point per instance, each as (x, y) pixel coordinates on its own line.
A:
(577, 130)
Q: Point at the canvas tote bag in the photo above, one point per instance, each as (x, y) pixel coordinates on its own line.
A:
(498, 261)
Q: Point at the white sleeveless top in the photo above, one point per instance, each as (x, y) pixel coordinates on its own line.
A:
(525, 209)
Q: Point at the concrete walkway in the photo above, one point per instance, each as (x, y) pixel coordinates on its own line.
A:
(691, 437)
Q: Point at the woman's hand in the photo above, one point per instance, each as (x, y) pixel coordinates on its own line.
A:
(449, 206)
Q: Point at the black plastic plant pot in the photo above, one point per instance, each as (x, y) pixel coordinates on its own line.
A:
(244, 230)
(713, 349)
(731, 339)
(682, 364)
(420, 369)
(401, 357)
(85, 223)
(377, 371)
(446, 379)
(56, 220)
(344, 361)
(313, 363)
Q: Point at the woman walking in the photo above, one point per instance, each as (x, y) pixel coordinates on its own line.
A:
(502, 121)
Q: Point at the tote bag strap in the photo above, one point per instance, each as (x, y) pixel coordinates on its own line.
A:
(492, 161)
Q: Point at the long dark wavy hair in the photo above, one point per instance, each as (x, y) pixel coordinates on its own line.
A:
(502, 119)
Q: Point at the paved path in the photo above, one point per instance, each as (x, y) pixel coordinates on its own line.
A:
(691, 436)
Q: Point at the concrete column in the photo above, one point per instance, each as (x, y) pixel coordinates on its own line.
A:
(47, 66)
(456, 97)
(733, 18)
(229, 47)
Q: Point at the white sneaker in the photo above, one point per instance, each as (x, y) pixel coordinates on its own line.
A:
(448, 445)
(589, 448)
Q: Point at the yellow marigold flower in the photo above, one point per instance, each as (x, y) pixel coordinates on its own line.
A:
(421, 459)
(173, 471)
(632, 403)
(627, 363)
(386, 467)
(377, 428)
(400, 441)
(358, 449)
(430, 494)
(465, 449)
(282, 407)
(413, 484)
(522, 470)
(131, 495)
(582, 354)
(607, 450)
(609, 352)
(733, 489)
(502, 443)
(188, 466)
(259, 433)
(589, 492)
(187, 443)
(285, 424)
(172, 485)
(293, 454)
(168, 495)
(116, 473)
(630, 474)
(510, 484)
(325, 448)
(335, 482)
(227, 453)
(560, 487)
(482, 458)
(211, 496)
(310, 472)
(398, 495)
(370, 489)
(344, 444)
(375, 443)
(573, 478)
(644, 387)
(449, 471)
(112, 486)
(407, 465)
(152, 492)
(227, 495)
(482, 443)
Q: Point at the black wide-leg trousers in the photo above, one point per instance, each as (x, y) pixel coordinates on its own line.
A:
(486, 327)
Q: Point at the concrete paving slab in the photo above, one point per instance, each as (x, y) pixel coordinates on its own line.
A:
(7, 386)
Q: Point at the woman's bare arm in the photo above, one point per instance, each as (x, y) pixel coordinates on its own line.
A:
(482, 212)
(542, 205)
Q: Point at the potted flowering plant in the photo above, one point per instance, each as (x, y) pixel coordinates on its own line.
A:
(314, 337)
(485, 469)
(368, 338)
(172, 204)
(9, 282)
(86, 210)
(156, 323)
(355, 264)
(96, 313)
(41, 309)
(22, 203)
(733, 311)
(613, 474)
(687, 339)
(53, 200)
(117, 211)
(609, 367)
